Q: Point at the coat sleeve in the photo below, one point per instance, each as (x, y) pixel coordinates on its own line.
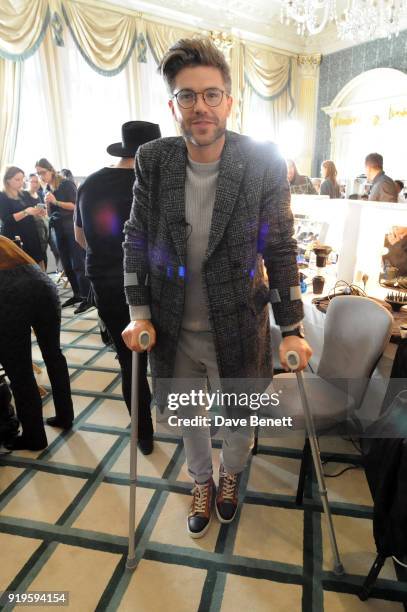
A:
(136, 264)
(277, 245)
(388, 191)
(6, 211)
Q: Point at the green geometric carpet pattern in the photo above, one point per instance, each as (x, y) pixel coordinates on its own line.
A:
(64, 515)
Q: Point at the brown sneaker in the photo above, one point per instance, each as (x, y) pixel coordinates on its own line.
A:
(226, 499)
(200, 512)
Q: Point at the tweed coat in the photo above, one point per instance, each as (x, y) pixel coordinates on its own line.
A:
(251, 218)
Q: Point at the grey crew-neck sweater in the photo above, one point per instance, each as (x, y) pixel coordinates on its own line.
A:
(200, 188)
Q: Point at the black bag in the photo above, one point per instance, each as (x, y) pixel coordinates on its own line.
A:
(8, 421)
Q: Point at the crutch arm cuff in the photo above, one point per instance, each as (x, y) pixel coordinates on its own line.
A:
(138, 313)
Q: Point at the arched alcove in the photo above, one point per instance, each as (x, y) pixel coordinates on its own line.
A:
(370, 114)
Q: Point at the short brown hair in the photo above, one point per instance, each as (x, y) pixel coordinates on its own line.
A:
(190, 52)
(374, 160)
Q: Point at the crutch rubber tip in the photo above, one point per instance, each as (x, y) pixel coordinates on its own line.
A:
(339, 570)
(131, 563)
(293, 360)
(144, 339)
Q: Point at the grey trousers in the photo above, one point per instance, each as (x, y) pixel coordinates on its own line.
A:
(196, 358)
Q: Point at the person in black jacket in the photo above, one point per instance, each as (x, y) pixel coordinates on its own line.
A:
(60, 196)
(103, 206)
(17, 214)
(29, 300)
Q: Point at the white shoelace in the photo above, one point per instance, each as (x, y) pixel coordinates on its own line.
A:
(228, 485)
(200, 492)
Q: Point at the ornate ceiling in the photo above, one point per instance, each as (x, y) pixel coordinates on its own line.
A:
(257, 20)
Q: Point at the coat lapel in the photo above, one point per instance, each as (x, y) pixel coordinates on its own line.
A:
(172, 189)
(231, 171)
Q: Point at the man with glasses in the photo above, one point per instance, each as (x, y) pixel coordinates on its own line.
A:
(207, 207)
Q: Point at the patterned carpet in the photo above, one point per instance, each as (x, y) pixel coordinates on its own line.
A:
(64, 515)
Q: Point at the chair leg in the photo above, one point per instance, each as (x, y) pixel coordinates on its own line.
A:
(371, 578)
(256, 441)
(305, 461)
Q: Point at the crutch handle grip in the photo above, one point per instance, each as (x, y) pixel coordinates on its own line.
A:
(144, 340)
(293, 360)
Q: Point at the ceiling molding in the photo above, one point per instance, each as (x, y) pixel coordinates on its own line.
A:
(256, 21)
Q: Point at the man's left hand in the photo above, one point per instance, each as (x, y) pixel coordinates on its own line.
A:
(300, 346)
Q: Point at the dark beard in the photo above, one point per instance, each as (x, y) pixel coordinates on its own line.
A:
(219, 132)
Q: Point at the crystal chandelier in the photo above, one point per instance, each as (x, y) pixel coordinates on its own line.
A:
(311, 16)
(361, 20)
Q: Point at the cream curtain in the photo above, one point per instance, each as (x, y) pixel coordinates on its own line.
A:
(22, 27)
(148, 94)
(106, 39)
(266, 98)
(262, 118)
(161, 38)
(238, 82)
(267, 72)
(10, 87)
(262, 78)
(53, 84)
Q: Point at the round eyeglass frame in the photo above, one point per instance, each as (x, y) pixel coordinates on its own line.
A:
(202, 93)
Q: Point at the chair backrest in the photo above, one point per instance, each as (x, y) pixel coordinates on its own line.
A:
(356, 332)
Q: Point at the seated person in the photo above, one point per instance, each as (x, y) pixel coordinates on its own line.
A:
(329, 185)
(383, 188)
(396, 244)
(299, 183)
(400, 195)
(29, 299)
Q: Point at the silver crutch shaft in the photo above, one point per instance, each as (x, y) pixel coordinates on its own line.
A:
(144, 341)
(293, 362)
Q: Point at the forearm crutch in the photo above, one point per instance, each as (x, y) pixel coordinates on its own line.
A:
(293, 361)
(144, 341)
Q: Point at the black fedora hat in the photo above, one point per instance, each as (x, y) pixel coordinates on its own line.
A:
(134, 134)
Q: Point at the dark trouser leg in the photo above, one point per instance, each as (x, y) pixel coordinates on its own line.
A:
(113, 310)
(53, 246)
(63, 236)
(46, 324)
(78, 265)
(15, 356)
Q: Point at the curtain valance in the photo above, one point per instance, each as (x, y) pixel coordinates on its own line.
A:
(267, 72)
(106, 39)
(162, 37)
(22, 27)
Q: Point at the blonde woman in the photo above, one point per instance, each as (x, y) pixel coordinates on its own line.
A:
(17, 216)
(329, 185)
(60, 196)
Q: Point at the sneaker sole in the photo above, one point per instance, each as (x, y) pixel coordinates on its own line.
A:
(196, 535)
(221, 519)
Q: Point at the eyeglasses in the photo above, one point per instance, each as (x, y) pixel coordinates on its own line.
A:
(187, 98)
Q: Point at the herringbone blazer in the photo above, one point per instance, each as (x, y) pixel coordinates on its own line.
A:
(251, 218)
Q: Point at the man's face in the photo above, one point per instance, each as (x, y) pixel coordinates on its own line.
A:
(202, 125)
(371, 172)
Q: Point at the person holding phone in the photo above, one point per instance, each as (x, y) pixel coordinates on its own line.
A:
(17, 215)
(60, 197)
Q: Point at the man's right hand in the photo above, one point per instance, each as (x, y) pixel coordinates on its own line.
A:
(132, 333)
